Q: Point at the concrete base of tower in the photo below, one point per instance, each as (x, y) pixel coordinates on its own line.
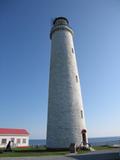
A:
(61, 145)
(74, 147)
(57, 149)
(63, 139)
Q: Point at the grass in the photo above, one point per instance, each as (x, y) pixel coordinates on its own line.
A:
(30, 149)
(31, 152)
(102, 148)
(42, 151)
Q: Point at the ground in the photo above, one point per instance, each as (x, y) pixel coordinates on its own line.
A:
(97, 155)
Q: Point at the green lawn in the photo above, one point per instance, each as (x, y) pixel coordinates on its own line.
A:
(42, 151)
(31, 154)
(102, 148)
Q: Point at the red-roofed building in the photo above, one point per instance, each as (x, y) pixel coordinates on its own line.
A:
(18, 137)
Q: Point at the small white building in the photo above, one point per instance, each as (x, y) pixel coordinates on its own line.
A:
(18, 137)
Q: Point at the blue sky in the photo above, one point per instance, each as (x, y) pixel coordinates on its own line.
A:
(25, 59)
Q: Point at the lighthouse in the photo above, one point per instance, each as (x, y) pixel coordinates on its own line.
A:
(66, 119)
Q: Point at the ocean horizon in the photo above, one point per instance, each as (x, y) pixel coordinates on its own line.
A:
(95, 141)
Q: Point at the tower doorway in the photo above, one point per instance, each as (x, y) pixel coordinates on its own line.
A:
(84, 138)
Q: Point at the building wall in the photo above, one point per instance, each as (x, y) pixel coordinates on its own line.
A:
(65, 122)
(15, 143)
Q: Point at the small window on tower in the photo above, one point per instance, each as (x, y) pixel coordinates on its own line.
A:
(81, 114)
(72, 50)
(76, 78)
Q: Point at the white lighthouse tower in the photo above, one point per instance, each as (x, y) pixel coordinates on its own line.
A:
(66, 120)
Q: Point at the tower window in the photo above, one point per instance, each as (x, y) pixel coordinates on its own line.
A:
(76, 78)
(72, 50)
(81, 114)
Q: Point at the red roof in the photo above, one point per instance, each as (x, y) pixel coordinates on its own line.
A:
(13, 131)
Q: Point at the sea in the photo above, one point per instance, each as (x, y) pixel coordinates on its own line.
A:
(101, 141)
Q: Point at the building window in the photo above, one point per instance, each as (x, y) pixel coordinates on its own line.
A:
(76, 78)
(18, 141)
(72, 50)
(4, 141)
(81, 114)
(24, 140)
(12, 139)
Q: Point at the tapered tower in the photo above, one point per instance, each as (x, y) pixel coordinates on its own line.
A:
(66, 120)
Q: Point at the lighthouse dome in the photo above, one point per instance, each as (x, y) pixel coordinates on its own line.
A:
(60, 21)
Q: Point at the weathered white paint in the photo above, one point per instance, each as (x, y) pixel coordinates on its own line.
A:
(65, 101)
(14, 144)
